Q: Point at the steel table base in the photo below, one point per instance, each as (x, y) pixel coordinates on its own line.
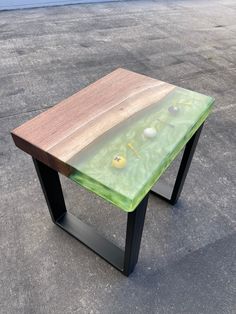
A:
(126, 260)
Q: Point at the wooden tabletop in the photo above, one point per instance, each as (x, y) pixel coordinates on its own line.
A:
(100, 115)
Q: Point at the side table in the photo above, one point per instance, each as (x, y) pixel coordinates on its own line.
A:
(116, 138)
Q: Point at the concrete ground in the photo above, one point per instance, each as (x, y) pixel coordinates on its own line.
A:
(187, 261)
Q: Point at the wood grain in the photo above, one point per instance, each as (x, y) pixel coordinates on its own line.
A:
(59, 133)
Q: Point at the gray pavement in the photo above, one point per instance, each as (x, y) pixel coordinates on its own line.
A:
(187, 261)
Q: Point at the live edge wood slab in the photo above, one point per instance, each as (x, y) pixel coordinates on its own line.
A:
(60, 135)
(57, 134)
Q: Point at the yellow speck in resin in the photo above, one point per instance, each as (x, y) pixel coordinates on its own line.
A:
(133, 150)
(119, 162)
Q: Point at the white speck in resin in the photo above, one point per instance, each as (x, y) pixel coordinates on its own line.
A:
(149, 132)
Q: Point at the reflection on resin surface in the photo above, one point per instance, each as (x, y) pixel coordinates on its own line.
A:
(123, 164)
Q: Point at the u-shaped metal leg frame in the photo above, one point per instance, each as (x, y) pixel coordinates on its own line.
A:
(126, 260)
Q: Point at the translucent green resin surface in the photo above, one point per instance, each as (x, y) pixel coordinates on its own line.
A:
(141, 155)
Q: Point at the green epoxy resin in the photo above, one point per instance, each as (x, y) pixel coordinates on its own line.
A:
(175, 119)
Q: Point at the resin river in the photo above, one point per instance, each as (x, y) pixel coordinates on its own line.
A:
(142, 159)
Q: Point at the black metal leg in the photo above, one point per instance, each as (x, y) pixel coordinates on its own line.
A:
(51, 186)
(162, 190)
(124, 261)
(134, 232)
